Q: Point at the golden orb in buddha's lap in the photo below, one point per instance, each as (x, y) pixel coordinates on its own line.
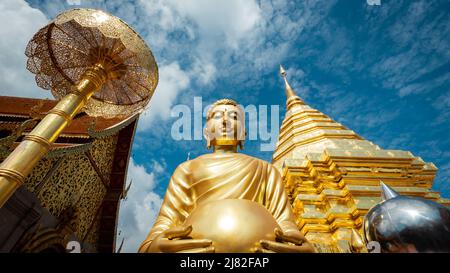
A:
(234, 225)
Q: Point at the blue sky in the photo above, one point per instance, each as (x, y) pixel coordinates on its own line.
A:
(381, 70)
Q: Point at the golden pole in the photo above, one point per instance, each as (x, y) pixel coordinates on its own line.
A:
(37, 143)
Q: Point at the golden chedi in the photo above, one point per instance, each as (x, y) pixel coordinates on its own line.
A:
(233, 225)
(219, 176)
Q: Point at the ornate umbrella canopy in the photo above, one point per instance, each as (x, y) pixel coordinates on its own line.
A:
(61, 52)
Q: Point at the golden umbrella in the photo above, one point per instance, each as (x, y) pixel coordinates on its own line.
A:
(89, 60)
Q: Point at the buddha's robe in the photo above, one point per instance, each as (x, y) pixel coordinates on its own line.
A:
(220, 176)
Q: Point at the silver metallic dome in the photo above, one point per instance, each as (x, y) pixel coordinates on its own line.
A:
(408, 224)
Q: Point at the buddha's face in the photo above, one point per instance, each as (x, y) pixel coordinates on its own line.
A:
(225, 122)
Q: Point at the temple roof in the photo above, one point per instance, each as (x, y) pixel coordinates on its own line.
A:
(17, 109)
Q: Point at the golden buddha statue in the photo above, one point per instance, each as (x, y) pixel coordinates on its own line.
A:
(219, 177)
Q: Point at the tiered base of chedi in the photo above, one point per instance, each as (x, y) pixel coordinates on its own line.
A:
(332, 175)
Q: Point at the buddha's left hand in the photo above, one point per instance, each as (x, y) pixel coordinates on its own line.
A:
(286, 242)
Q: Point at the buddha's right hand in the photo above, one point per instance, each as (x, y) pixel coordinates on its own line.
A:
(177, 239)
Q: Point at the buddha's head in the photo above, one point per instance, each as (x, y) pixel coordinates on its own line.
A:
(225, 124)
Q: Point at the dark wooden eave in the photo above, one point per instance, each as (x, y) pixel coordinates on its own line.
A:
(18, 109)
(110, 205)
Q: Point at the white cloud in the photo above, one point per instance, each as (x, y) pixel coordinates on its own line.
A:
(73, 2)
(295, 76)
(376, 117)
(204, 72)
(420, 47)
(197, 42)
(405, 30)
(19, 23)
(423, 87)
(234, 38)
(138, 212)
(173, 83)
(172, 80)
(442, 104)
(231, 19)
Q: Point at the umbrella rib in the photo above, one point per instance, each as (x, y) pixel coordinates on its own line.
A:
(103, 46)
(126, 93)
(93, 37)
(76, 66)
(117, 53)
(138, 75)
(109, 83)
(84, 37)
(111, 49)
(53, 60)
(138, 83)
(57, 26)
(134, 66)
(139, 95)
(124, 59)
(145, 88)
(71, 47)
(115, 94)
